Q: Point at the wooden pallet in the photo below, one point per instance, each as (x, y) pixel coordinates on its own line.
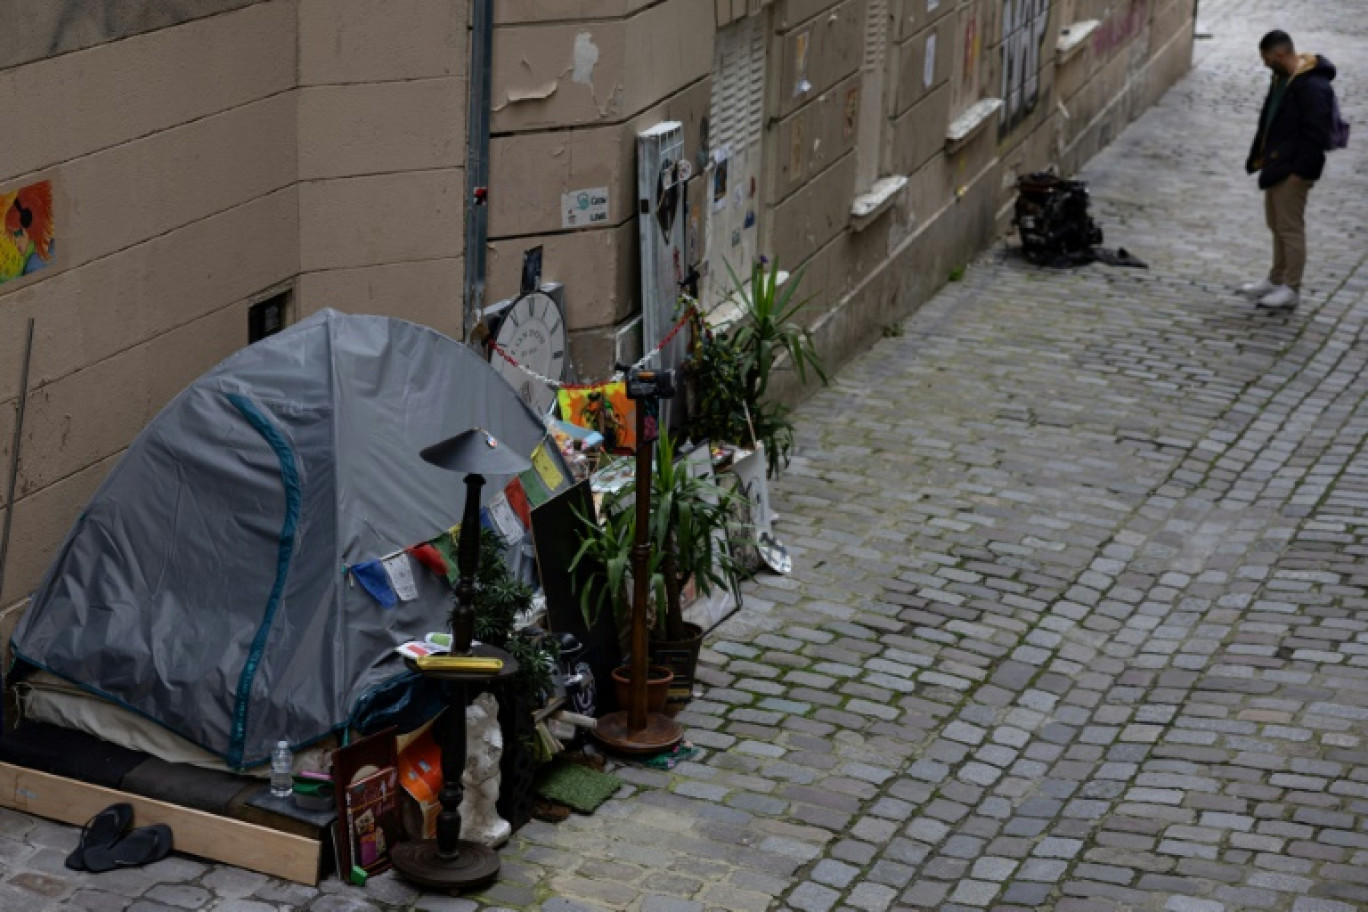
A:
(222, 839)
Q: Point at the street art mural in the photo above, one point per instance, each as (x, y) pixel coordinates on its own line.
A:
(1024, 24)
(1121, 27)
(27, 242)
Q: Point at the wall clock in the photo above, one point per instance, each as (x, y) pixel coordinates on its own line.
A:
(532, 331)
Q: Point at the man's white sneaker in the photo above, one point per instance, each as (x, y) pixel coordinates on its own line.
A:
(1257, 290)
(1282, 296)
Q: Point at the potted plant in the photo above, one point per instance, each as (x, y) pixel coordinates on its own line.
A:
(688, 520)
(732, 368)
(607, 551)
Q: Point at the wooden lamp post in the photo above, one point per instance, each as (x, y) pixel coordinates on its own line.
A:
(635, 730)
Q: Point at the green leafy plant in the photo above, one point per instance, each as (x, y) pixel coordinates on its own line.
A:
(499, 599)
(732, 370)
(769, 327)
(606, 551)
(720, 410)
(688, 520)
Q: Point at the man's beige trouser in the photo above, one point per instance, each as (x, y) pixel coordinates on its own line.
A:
(1285, 208)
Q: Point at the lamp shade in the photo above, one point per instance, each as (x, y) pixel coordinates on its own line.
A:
(476, 452)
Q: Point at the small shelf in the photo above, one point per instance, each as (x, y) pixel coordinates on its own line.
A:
(971, 123)
(880, 198)
(1074, 38)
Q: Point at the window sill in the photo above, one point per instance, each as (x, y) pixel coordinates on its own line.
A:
(1073, 39)
(880, 198)
(971, 123)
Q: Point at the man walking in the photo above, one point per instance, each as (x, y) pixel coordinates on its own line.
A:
(1289, 156)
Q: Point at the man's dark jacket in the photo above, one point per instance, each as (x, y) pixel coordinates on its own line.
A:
(1296, 140)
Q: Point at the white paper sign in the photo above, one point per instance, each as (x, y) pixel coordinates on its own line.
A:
(400, 573)
(582, 208)
(929, 73)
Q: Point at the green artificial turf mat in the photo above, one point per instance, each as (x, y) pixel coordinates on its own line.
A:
(576, 786)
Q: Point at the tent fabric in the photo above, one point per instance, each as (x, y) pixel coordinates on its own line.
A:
(205, 586)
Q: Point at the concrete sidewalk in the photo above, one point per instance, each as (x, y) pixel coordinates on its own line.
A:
(1078, 619)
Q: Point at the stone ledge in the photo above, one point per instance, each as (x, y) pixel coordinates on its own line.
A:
(971, 123)
(1073, 38)
(869, 206)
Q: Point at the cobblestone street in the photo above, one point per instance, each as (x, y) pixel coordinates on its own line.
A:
(1078, 619)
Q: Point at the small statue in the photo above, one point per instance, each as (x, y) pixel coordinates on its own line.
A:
(480, 820)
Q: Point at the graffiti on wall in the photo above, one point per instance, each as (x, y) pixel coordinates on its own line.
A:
(28, 241)
(1121, 27)
(1024, 24)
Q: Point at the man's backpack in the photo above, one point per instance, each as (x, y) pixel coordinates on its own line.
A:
(1339, 128)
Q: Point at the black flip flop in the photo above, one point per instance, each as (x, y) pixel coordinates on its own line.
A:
(142, 846)
(102, 830)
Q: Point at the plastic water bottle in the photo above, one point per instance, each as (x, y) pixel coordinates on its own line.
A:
(282, 770)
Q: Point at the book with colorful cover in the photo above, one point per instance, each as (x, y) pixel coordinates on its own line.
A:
(366, 778)
(373, 825)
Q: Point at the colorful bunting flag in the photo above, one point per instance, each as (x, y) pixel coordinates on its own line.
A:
(373, 578)
(429, 557)
(546, 467)
(400, 573)
(517, 499)
(534, 489)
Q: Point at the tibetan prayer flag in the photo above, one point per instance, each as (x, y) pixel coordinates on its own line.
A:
(446, 546)
(546, 468)
(517, 499)
(510, 526)
(400, 573)
(534, 488)
(429, 557)
(373, 578)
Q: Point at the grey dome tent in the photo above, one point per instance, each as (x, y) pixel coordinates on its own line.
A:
(205, 586)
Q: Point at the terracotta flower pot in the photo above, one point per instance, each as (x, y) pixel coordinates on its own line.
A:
(658, 681)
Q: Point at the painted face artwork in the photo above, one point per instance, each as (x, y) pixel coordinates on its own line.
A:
(27, 239)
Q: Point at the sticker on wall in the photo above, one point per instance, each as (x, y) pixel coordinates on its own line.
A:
(801, 86)
(28, 242)
(719, 194)
(667, 198)
(929, 70)
(932, 5)
(582, 208)
(851, 117)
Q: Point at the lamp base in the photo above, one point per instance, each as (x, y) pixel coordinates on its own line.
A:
(660, 733)
(473, 866)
